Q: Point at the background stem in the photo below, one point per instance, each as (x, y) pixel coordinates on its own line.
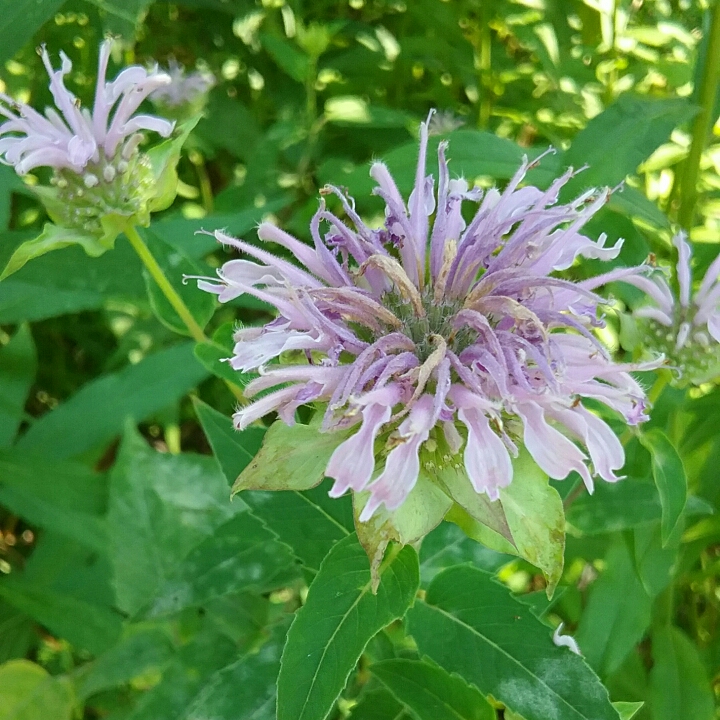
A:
(703, 123)
(148, 259)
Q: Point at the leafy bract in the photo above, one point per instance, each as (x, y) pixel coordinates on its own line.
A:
(291, 458)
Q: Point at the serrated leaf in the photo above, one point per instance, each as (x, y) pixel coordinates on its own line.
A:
(29, 692)
(291, 458)
(98, 411)
(309, 522)
(248, 684)
(535, 516)
(679, 687)
(470, 625)
(617, 613)
(18, 365)
(232, 449)
(669, 475)
(161, 507)
(430, 692)
(242, 554)
(340, 616)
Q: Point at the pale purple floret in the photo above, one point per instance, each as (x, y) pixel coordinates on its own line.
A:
(183, 87)
(688, 317)
(71, 137)
(432, 333)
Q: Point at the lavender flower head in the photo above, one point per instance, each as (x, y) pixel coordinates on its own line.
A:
(95, 156)
(437, 343)
(685, 329)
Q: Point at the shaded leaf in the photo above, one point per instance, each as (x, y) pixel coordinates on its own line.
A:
(242, 554)
(678, 683)
(430, 692)
(85, 625)
(97, 412)
(617, 613)
(247, 684)
(18, 365)
(161, 507)
(669, 475)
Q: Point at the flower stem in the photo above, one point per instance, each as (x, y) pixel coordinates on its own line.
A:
(148, 259)
(703, 122)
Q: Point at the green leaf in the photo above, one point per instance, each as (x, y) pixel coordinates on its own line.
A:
(422, 511)
(17, 633)
(535, 516)
(309, 522)
(214, 354)
(448, 545)
(340, 616)
(146, 650)
(65, 497)
(670, 478)
(53, 237)
(18, 365)
(97, 412)
(430, 692)
(291, 458)
(161, 507)
(242, 554)
(615, 506)
(232, 449)
(379, 704)
(175, 264)
(70, 281)
(293, 62)
(248, 684)
(637, 126)
(20, 21)
(467, 616)
(679, 687)
(29, 692)
(628, 710)
(86, 625)
(164, 158)
(617, 613)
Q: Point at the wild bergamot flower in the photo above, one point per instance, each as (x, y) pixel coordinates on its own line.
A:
(438, 342)
(683, 327)
(98, 167)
